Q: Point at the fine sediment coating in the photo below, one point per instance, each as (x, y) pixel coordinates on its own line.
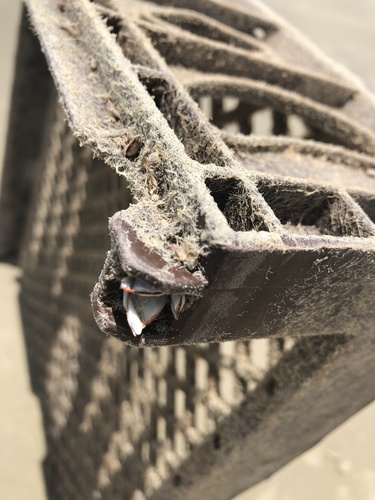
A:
(202, 193)
(236, 165)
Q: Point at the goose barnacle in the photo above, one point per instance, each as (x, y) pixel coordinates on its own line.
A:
(143, 303)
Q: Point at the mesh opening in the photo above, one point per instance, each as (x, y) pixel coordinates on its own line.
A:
(262, 122)
(296, 127)
(305, 210)
(233, 201)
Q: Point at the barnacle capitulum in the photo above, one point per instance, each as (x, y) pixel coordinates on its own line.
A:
(177, 304)
(143, 303)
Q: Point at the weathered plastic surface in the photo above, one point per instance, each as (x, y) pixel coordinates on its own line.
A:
(276, 255)
(248, 231)
(269, 237)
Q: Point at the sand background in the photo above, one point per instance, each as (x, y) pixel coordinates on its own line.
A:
(342, 466)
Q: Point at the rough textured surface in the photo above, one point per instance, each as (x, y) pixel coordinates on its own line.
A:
(139, 119)
(156, 413)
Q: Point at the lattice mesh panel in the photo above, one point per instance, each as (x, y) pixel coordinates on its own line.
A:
(111, 408)
(262, 215)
